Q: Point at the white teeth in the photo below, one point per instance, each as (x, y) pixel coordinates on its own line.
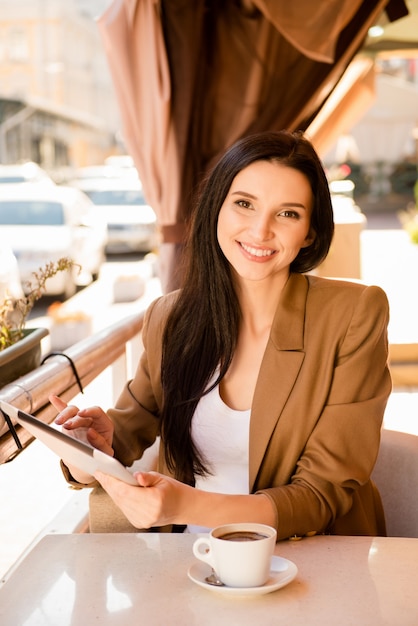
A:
(257, 251)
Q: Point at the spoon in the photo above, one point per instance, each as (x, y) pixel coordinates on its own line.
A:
(213, 579)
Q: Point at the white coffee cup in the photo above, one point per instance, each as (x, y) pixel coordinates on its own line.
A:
(240, 554)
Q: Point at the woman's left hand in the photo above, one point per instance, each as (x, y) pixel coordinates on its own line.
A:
(158, 500)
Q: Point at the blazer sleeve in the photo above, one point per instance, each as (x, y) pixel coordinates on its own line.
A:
(340, 451)
(135, 414)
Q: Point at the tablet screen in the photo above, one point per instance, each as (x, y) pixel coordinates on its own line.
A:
(70, 450)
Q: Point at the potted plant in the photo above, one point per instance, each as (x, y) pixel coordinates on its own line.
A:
(409, 218)
(20, 348)
(409, 221)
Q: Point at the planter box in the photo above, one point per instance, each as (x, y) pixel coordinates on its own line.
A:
(23, 357)
(67, 326)
(65, 333)
(128, 288)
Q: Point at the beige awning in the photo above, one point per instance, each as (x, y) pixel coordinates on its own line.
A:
(193, 77)
(351, 98)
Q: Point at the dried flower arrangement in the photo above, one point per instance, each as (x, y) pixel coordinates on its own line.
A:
(14, 313)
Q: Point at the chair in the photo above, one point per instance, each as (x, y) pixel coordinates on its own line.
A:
(396, 476)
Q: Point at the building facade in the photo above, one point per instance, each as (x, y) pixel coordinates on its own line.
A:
(57, 105)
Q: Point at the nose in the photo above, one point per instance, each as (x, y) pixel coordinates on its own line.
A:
(261, 228)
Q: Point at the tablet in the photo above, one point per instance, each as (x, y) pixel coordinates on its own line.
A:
(72, 451)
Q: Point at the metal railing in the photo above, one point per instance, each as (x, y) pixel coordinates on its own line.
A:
(117, 347)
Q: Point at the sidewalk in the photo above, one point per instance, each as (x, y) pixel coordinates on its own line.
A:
(391, 261)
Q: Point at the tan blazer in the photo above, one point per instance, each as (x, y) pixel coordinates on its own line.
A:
(317, 409)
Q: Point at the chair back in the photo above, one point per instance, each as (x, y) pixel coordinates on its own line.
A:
(396, 476)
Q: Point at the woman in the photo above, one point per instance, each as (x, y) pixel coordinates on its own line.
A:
(267, 385)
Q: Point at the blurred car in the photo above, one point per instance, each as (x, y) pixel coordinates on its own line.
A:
(121, 161)
(10, 283)
(131, 222)
(24, 173)
(44, 223)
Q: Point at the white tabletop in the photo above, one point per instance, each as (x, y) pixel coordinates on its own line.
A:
(132, 579)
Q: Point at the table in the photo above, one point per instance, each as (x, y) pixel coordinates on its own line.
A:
(132, 579)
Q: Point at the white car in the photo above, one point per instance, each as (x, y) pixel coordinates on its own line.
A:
(10, 283)
(44, 223)
(28, 172)
(131, 222)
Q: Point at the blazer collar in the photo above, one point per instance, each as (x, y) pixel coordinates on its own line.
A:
(280, 367)
(288, 324)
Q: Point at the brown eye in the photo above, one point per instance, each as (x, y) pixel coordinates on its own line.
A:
(288, 213)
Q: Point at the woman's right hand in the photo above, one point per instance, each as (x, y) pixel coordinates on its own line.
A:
(97, 425)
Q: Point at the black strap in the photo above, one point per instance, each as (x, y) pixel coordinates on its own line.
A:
(12, 429)
(7, 418)
(73, 367)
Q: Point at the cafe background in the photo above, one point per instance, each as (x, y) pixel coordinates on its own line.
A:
(58, 108)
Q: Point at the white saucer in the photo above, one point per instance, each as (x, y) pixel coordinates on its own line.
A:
(282, 572)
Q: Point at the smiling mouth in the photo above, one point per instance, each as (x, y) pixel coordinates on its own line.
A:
(258, 252)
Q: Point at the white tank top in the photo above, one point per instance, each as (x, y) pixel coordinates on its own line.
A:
(221, 434)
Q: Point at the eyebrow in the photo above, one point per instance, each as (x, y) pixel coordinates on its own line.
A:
(284, 204)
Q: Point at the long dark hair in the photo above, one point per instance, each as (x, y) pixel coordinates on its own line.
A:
(202, 329)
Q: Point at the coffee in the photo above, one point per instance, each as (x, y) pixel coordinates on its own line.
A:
(240, 553)
(242, 535)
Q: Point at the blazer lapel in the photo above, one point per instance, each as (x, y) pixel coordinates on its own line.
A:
(280, 367)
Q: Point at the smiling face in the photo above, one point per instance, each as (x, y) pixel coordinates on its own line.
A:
(265, 220)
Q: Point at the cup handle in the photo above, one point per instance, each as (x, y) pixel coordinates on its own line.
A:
(203, 556)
